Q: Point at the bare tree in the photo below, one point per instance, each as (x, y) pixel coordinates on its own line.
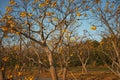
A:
(83, 53)
(108, 16)
(65, 52)
(40, 20)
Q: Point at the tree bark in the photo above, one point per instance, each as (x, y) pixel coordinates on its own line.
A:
(84, 70)
(64, 73)
(52, 67)
(51, 63)
(1, 75)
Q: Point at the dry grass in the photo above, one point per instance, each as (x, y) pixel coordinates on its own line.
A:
(98, 74)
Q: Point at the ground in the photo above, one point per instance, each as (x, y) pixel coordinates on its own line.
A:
(89, 76)
(74, 73)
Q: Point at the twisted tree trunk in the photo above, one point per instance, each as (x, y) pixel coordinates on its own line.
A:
(84, 70)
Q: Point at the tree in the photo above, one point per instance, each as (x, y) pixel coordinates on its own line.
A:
(108, 15)
(83, 52)
(65, 52)
(40, 20)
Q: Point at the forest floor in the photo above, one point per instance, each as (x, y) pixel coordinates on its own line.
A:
(89, 76)
(74, 73)
(98, 73)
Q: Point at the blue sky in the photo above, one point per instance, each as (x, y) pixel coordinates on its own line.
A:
(85, 24)
(3, 4)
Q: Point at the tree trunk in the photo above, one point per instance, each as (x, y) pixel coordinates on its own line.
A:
(53, 73)
(52, 67)
(61, 70)
(51, 63)
(84, 70)
(64, 73)
(1, 75)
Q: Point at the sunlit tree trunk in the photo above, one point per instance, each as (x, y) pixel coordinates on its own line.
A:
(51, 63)
(64, 73)
(84, 70)
(52, 67)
